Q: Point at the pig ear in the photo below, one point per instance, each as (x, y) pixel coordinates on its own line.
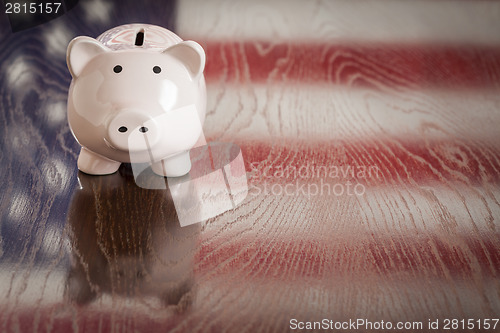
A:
(80, 51)
(190, 54)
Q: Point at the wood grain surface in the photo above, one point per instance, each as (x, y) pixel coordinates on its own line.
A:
(370, 132)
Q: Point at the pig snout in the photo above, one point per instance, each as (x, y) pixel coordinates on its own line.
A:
(132, 130)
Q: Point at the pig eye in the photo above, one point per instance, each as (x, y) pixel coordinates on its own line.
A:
(117, 69)
(157, 69)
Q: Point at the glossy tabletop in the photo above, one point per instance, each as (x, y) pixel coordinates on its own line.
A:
(370, 132)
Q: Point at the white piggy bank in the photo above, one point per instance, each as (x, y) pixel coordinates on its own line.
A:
(138, 95)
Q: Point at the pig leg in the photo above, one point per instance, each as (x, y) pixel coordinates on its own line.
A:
(174, 166)
(95, 164)
(78, 288)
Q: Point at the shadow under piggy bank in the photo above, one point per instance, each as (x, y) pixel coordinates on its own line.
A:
(127, 241)
(216, 183)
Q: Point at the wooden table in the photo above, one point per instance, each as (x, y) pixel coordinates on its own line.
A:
(371, 137)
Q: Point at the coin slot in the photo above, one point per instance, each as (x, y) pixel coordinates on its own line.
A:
(139, 38)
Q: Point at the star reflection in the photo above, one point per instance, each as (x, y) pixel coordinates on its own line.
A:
(56, 39)
(97, 11)
(19, 73)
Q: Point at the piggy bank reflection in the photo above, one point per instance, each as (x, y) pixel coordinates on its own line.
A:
(126, 241)
(137, 93)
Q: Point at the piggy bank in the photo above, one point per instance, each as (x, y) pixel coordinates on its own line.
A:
(137, 95)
